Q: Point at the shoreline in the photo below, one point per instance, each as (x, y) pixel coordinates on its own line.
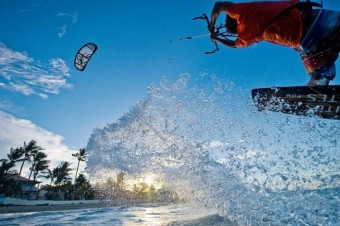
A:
(200, 220)
(8, 209)
(12, 209)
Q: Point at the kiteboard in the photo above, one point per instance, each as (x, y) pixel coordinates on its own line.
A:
(321, 101)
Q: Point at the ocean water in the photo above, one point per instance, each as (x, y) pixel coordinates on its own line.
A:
(171, 215)
(204, 138)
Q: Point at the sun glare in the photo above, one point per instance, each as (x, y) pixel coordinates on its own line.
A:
(149, 180)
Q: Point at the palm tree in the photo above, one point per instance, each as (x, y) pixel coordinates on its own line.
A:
(84, 190)
(36, 157)
(120, 187)
(28, 150)
(81, 156)
(120, 182)
(40, 166)
(15, 155)
(62, 174)
(7, 184)
(50, 175)
(6, 166)
(39, 163)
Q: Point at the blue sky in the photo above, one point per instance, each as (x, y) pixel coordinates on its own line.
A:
(43, 97)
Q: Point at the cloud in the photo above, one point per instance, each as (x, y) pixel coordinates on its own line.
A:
(23, 74)
(8, 106)
(14, 131)
(62, 31)
(74, 16)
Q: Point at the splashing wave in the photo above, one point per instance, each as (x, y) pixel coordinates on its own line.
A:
(204, 136)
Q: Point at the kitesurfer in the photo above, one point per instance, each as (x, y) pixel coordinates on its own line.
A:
(313, 32)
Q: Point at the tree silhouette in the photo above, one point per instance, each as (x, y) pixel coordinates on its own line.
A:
(15, 155)
(81, 156)
(39, 163)
(62, 175)
(28, 150)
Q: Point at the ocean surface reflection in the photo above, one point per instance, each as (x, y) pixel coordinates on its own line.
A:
(127, 216)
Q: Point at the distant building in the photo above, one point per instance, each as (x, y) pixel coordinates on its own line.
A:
(28, 187)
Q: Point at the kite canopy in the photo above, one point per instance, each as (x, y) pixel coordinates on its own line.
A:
(84, 55)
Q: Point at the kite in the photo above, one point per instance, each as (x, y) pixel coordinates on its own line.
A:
(84, 55)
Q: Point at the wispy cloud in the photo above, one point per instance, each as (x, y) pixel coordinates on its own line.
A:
(74, 16)
(14, 131)
(8, 106)
(23, 74)
(61, 31)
